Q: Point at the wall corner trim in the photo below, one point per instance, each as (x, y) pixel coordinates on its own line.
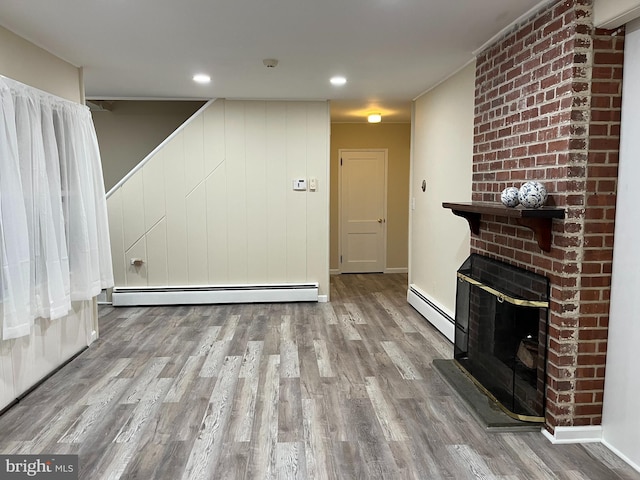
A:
(564, 435)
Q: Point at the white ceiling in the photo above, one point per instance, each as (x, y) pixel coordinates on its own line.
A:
(390, 50)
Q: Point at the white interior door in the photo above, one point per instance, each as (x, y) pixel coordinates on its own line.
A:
(363, 195)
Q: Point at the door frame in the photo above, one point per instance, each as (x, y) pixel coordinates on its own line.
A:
(384, 201)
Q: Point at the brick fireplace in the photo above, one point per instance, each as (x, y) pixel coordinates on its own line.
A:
(547, 107)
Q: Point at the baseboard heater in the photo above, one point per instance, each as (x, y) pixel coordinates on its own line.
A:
(430, 310)
(190, 295)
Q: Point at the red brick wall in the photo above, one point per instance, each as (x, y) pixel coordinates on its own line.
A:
(547, 107)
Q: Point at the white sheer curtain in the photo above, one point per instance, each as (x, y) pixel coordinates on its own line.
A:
(54, 238)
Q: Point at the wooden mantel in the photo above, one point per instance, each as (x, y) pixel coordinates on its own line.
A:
(537, 219)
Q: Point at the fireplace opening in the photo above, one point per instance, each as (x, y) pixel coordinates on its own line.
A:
(501, 333)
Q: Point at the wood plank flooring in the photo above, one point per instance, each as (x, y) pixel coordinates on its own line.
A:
(290, 391)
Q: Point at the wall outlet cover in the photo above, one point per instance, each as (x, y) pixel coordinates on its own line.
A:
(300, 184)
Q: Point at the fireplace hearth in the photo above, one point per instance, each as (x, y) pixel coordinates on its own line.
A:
(501, 333)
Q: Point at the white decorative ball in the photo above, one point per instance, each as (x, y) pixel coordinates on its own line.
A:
(509, 196)
(532, 195)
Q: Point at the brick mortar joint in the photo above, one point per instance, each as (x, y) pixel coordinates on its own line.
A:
(584, 127)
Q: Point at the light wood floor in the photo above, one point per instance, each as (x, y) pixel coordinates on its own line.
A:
(292, 391)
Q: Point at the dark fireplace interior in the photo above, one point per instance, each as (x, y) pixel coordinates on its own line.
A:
(501, 333)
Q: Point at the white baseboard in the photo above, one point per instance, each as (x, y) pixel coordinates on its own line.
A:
(336, 271)
(436, 314)
(396, 270)
(193, 295)
(633, 465)
(587, 434)
(102, 297)
(323, 298)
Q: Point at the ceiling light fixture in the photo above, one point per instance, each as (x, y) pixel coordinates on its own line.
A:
(201, 78)
(338, 81)
(374, 118)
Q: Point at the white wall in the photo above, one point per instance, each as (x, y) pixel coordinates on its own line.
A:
(25, 62)
(621, 419)
(26, 360)
(396, 138)
(442, 155)
(215, 206)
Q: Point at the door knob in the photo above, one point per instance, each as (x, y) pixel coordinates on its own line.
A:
(379, 220)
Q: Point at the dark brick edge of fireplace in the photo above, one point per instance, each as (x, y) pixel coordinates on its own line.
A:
(547, 107)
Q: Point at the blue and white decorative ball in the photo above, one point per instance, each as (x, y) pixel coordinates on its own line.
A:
(509, 197)
(532, 195)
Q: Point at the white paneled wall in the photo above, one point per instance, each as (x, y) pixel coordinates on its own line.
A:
(26, 360)
(216, 206)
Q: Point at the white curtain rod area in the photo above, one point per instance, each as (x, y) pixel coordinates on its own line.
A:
(54, 239)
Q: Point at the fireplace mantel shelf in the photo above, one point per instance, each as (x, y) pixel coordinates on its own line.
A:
(536, 219)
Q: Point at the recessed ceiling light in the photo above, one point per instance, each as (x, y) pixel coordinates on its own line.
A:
(374, 118)
(201, 78)
(337, 81)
